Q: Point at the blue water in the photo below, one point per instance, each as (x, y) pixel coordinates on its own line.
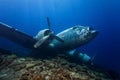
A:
(29, 16)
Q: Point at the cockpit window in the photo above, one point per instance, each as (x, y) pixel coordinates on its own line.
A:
(79, 28)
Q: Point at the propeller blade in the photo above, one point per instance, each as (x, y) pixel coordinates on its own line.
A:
(48, 23)
(41, 41)
(59, 39)
(49, 27)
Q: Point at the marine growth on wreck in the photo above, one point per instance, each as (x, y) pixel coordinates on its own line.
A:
(13, 67)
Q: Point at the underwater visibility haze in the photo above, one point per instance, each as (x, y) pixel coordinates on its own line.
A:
(29, 16)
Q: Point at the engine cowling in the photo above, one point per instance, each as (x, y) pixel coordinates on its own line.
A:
(42, 33)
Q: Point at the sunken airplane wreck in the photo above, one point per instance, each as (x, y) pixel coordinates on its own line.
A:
(46, 41)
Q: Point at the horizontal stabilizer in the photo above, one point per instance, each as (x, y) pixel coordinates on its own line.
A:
(16, 36)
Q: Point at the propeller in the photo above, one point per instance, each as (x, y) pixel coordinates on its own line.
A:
(48, 36)
(53, 35)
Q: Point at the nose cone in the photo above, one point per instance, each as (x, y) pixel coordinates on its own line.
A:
(94, 33)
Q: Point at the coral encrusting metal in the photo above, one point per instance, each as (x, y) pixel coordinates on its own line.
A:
(58, 68)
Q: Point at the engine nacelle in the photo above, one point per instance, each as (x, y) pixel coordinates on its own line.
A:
(42, 33)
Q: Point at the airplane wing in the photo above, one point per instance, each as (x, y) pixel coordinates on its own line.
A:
(16, 36)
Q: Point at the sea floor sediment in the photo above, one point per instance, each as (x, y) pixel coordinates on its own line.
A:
(13, 67)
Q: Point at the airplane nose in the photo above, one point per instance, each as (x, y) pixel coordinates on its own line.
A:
(89, 28)
(94, 33)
